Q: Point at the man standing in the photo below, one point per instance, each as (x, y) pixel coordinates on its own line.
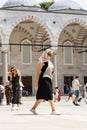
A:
(76, 85)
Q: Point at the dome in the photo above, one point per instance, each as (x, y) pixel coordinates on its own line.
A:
(65, 4)
(11, 3)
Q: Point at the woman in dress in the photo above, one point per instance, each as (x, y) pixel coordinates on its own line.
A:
(15, 87)
(43, 82)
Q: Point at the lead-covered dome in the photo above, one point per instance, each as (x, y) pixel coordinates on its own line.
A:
(65, 4)
(11, 3)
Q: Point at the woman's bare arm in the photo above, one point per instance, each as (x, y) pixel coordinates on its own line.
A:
(39, 67)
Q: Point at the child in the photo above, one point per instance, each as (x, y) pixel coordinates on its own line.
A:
(8, 92)
(57, 94)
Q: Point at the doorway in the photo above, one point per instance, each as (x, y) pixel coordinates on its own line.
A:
(67, 83)
(1, 79)
(85, 79)
(27, 82)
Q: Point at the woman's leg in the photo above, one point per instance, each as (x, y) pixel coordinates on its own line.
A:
(52, 105)
(35, 106)
(37, 103)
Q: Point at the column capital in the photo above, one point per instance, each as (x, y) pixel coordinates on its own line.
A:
(4, 49)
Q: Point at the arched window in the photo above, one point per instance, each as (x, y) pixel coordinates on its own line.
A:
(68, 53)
(85, 56)
(26, 52)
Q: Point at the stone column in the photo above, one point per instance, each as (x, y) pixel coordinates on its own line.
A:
(4, 66)
(5, 40)
(56, 71)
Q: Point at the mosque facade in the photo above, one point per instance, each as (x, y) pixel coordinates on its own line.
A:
(63, 27)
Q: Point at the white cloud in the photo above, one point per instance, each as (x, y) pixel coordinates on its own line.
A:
(82, 3)
(2, 2)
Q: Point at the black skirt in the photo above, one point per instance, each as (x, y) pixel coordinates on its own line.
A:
(45, 89)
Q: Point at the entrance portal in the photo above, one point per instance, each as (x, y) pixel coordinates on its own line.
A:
(67, 83)
(85, 79)
(27, 82)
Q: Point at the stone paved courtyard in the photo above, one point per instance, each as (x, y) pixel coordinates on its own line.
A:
(72, 117)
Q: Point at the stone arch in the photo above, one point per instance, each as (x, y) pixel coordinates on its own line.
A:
(74, 20)
(34, 19)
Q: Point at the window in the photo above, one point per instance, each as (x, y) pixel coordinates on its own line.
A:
(68, 54)
(26, 53)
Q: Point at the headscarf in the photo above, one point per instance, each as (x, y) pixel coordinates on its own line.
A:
(44, 54)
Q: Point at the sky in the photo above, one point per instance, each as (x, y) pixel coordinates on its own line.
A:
(83, 3)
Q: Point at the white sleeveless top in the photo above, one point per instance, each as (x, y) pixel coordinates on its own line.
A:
(49, 71)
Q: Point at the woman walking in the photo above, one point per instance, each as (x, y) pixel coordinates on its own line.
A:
(43, 82)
